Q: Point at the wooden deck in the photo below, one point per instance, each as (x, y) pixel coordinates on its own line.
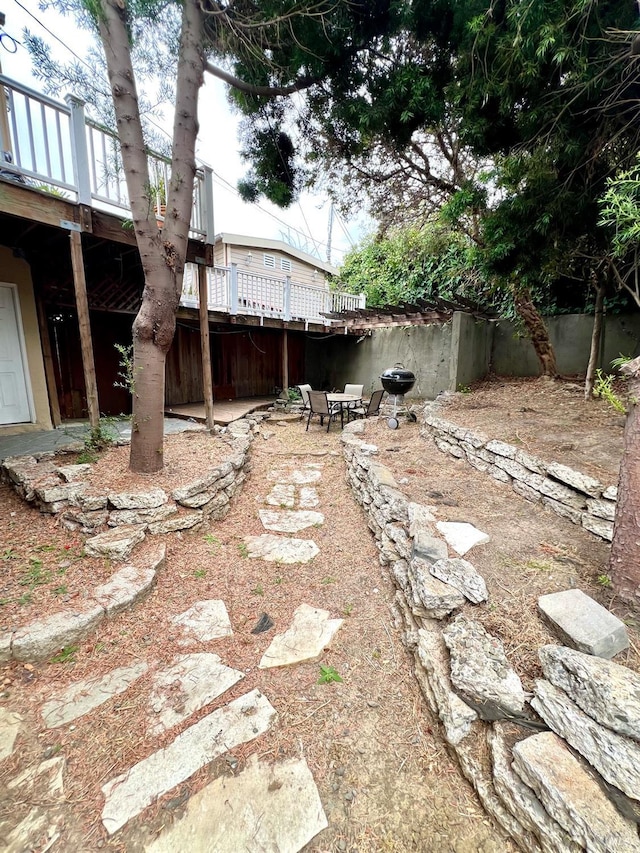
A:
(224, 411)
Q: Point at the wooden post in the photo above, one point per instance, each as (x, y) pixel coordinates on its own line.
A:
(285, 360)
(203, 312)
(82, 306)
(49, 371)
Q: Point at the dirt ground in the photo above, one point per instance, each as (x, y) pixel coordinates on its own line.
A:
(386, 780)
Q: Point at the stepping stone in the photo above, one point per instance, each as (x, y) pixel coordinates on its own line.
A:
(290, 521)
(205, 621)
(461, 535)
(53, 768)
(130, 584)
(191, 683)
(238, 722)
(282, 495)
(583, 623)
(84, 696)
(308, 497)
(311, 631)
(10, 724)
(265, 807)
(310, 473)
(280, 549)
(44, 637)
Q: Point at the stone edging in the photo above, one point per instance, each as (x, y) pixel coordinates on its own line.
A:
(44, 637)
(59, 490)
(126, 518)
(537, 815)
(581, 499)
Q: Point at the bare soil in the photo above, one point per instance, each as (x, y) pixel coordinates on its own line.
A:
(386, 780)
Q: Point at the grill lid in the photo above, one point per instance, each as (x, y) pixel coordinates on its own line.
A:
(398, 373)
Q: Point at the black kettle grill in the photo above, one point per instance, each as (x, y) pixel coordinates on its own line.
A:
(396, 381)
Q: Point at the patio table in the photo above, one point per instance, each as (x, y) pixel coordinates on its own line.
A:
(346, 401)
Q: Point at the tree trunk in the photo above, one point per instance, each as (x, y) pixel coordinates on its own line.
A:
(624, 563)
(537, 330)
(596, 337)
(162, 252)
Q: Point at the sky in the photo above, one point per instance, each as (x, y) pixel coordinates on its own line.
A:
(305, 224)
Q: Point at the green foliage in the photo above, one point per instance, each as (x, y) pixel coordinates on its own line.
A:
(65, 655)
(328, 674)
(620, 209)
(411, 264)
(603, 388)
(126, 376)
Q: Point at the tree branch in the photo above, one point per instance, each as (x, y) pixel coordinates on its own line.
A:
(263, 91)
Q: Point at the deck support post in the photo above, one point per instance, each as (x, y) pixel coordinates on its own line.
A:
(86, 347)
(203, 313)
(285, 360)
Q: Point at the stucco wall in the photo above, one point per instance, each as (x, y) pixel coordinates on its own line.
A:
(425, 350)
(471, 343)
(571, 338)
(17, 271)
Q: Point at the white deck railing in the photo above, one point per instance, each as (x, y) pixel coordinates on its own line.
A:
(232, 291)
(53, 144)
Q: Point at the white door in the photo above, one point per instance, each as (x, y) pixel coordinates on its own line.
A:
(14, 393)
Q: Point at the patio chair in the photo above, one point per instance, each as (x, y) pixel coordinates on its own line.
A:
(354, 389)
(319, 405)
(372, 407)
(304, 393)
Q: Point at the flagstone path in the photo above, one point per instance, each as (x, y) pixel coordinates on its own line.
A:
(275, 806)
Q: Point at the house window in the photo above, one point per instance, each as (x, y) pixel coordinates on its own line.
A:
(270, 261)
(285, 264)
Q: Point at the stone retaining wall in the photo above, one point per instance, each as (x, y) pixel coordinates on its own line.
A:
(117, 521)
(581, 499)
(572, 785)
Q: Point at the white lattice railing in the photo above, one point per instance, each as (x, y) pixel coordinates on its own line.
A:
(53, 144)
(233, 291)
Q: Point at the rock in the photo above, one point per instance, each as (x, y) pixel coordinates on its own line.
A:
(615, 757)
(575, 479)
(83, 696)
(202, 483)
(602, 508)
(463, 576)
(203, 622)
(571, 795)
(599, 526)
(116, 544)
(181, 521)
(266, 807)
(280, 549)
(290, 521)
(306, 474)
(606, 691)
(521, 800)
(308, 497)
(310, 632)
(238, 722)
(420, 518)
(456, 716)
(480, 671)
(128, 585)
(141, 516)
(283, 495)
(192, 682)
(438, 599)
(462, 536)
(41, 639)
(71, 473)
(610, 493)
(501, 448)
(240, 427)
(583, 623)
(563, 494)
(5, 646)
(426, 546)
(138, 500)
(10, 725)
(51, 771)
